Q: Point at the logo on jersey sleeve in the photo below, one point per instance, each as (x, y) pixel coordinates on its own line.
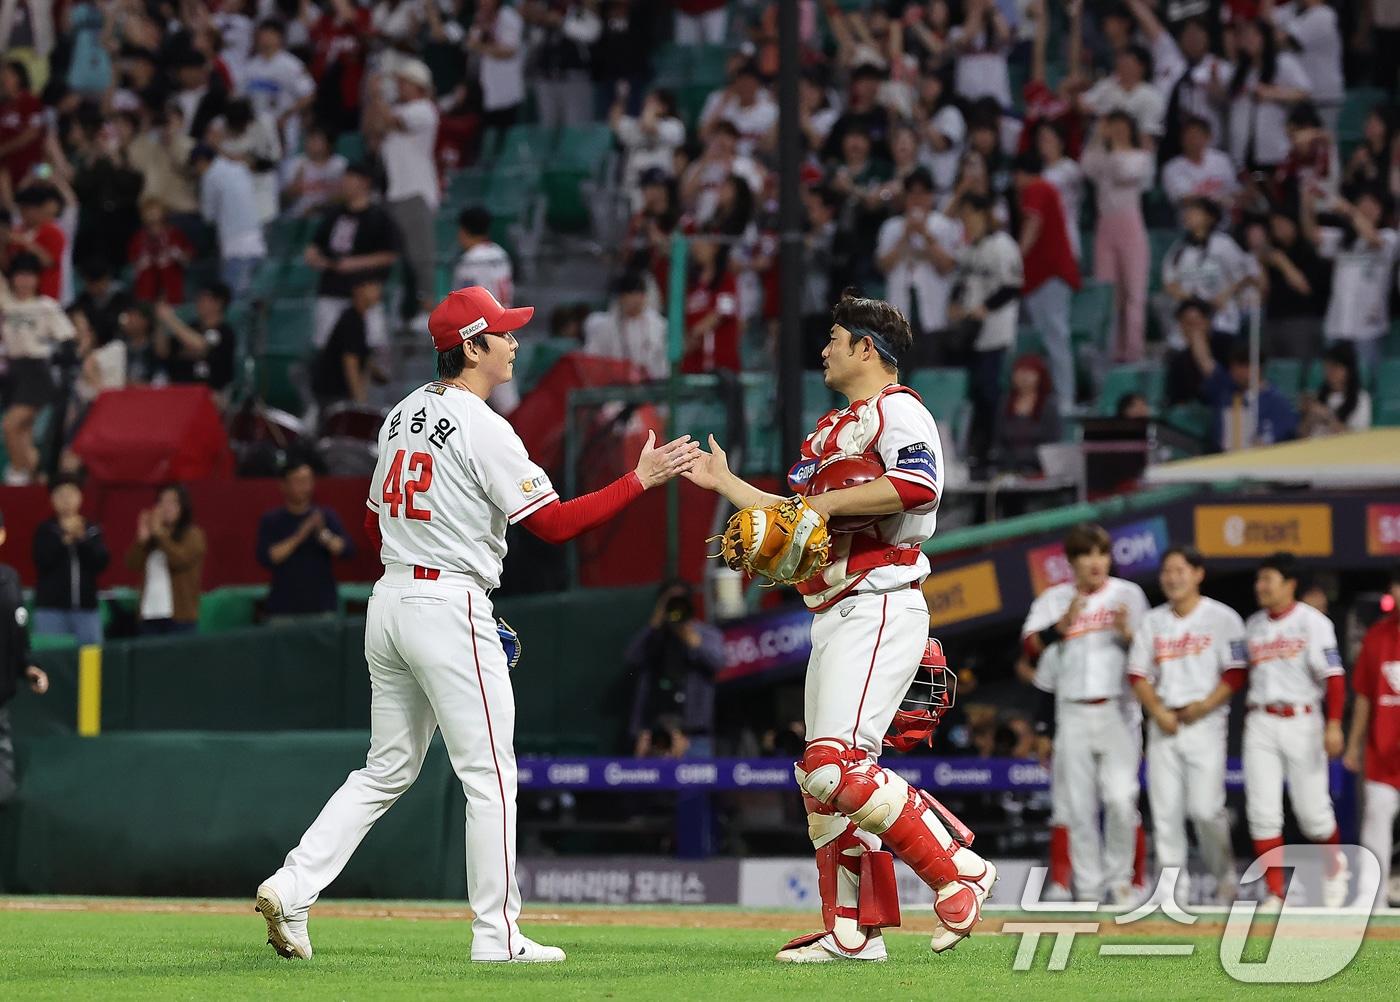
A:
(800, 475)
(917, 458)
(1239, 651)
(532, 486)
(1333, 657)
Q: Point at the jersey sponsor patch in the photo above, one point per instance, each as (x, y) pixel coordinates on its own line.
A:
(437, 388)
(1333, 656)
(530, 487)
(801, 474)
(917, 458)
(1239, 651)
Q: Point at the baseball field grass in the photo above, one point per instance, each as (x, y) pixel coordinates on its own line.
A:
(78, 949)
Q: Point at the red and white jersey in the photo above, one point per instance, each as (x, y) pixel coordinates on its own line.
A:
(1184, 657)
(452, 473)
(1377, 677)
(1092, 658)
(1291, 656)
(896, 425)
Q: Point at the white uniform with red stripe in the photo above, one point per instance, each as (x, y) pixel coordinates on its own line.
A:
(451, 475)
(1185, 658)
(1291, 658)
(871, 620)
(1098, 740)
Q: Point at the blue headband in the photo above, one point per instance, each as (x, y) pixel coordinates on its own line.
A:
(882, 347)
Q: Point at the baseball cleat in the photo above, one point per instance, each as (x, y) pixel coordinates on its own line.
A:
(821, 948)
(287, 936)
(959, 908)
(1272, 903)
(529, 952)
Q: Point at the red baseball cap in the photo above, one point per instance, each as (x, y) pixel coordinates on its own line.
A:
(472, 311)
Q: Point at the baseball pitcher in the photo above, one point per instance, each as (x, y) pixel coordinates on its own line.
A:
(452, 474)
(1293, 661)
(1096, 728)
(1187, 660)
(852, 546)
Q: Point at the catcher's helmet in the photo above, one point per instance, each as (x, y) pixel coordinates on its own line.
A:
(842, 472)
(930, 695)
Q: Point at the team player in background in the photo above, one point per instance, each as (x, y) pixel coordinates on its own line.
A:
(1188, 659)
(1087, 709)
(1293, 664)
(452, 474)
(1375, 732)
(869, 636)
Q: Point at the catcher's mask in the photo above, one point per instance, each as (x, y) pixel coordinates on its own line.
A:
(930, 695)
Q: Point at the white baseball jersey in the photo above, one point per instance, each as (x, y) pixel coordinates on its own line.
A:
(1092, 658)
(1184, 656)
(452, 473)
(1291, 657)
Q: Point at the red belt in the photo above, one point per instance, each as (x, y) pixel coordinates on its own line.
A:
(1281, 709)
(1090, 702)
(425, 573)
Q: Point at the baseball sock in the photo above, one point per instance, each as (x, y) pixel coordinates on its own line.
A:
(1140, 857)
(1060, 872)
(1273, 877)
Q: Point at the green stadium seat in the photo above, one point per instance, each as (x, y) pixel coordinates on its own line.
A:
(1159, 241)
(531, 144)
(290, 323)
(1091, 314)
(1147, 380)
(1285, 375)
(1355, 107)
(944, 392)
(708, 65)
(540, 354)
(581, 155)
(763, 437)
(1385, 395)
(1193, 418)
(351, 145)
(671, 63)
(275, 380)
(229, 608)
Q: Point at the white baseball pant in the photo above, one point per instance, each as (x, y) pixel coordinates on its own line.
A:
(1186, 779)
(435, 661)
(865, 652)
(1278, 748)
(1100, 756)
(1378, 829)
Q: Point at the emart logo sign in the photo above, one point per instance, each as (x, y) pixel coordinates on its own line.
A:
(1260, 530)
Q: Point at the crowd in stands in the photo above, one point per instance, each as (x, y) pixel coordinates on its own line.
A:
(990, 166)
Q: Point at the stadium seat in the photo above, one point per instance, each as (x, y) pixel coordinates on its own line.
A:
(290, 323)
(1193, 419)
(944, 392)
(229, 608)
(278, 381)
(1159, 241)
(1285, 375)
(1355, 107)
(582, 154)
(1385, 395)
(1091, 314)
(351, 145)
(531, 144)
(1147, 380)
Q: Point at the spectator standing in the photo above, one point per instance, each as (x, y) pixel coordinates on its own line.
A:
(916, 252)
(341, 370)
(622, 56)
(1363, 251)
(1207, 264)
(21, 123)
(982, 42)
(702, 180)
(31, 326)
(314, 175)
(406, 133)
(227, 200)
(497, 39)
(1029, 419)
(1200, 169)
(944, 130)
(251, 137)
(1121, 171)
(103, 299)
(297, 543)
(14, 666)
(1375, 735)
(483, 262)
(107, 188)
(1340, 404)
(161, 155)
(674, 660)
(711, 310)
(747, 105)
(630, 329)
(1064, 172)
(863, 113)
(701, 22)
(648, 141)
(102, 364)
(1191, 78)
(1051, 271)
(38, 234)
(356, 241)
(277, 82)
(1297, 283)
(990, 278)
(169, 553)
(69, 554)
(1226, 389)
(200, 94)
(158, 254)
(1309, 28)
(1265, 86)
(564, 32)
(203, 352)
(1130, 90)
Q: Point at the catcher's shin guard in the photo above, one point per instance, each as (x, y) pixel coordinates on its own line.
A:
(931, 841)
(855, 879)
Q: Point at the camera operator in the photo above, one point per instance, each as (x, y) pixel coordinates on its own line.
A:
(675, 659)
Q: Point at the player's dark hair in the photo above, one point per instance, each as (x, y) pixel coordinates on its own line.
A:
(1287, 566)
(26, 262)
(879, 318)
(1086, 538)
(65, 480)
(1186, 552)
(452, 362)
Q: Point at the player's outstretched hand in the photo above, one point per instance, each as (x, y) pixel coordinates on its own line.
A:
(710, 468)
(656, 466)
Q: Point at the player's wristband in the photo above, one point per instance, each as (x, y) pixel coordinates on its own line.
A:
(1049, 635)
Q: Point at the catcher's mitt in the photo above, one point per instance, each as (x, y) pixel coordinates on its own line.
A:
(785, 542)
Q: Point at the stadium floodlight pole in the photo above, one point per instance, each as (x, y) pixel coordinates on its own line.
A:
(791, 238)
(675, 350)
